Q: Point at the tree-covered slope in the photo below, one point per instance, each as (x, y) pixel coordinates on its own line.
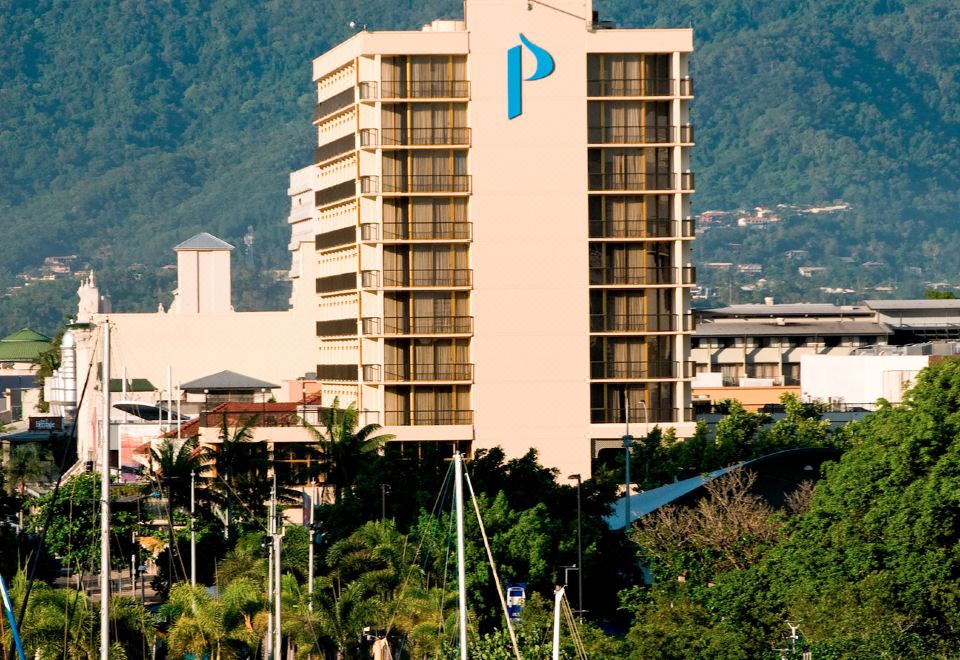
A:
(125, 127)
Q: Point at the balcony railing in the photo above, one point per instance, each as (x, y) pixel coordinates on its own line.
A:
(332, 283)
(368, 91)
(686, 86)
(686, 182)
(427, 325)
(372, 373)
(368, 137)
(425, 231)
(651, 228)
(369, 185)
(631, 181)
(630, 87)
(688, 275)
(608, 370)
(688, 227)
(333, 104)
(369, 231)
(686, 133)
(337, 147)
(425, 89)
(441, 135)
(631, 134)
(427, 372)
(370, 279)
(371, 326)
(428, 417)
(639, 322)
(426, 183)
(652, 414)
(428, 277)
(632, 275)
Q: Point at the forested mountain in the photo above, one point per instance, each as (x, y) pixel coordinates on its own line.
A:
(125, 127)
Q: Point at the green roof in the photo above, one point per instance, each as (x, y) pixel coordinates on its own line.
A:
(23, 346)
(133, 385)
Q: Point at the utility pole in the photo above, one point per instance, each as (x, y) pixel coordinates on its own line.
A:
(313, 538)
(105, 498)
(193, 531)
(461, 570)
(628, 446)
(579, 552)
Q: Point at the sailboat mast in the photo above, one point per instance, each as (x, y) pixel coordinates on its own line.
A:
(105, 499)
(461, 571)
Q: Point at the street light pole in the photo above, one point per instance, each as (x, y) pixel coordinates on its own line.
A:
(579, 552)
(627, 445)
(193, 530)
(384, 489)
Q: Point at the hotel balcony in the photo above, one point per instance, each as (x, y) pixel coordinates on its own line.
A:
(334, 149)
(645, 323)
(633, 275)
(650, 228)
(430, 372)
(428, 277)
(425, 137)
(347, 372)
(427, 231)
(369, 137)
(635, 87)
(368, 91)
(336, 283)
(640, 370)
(426, 183)
(335, 238)
(649, 415)
(333, 104)
(335, 193)
(631, 181)
(427, 325)
(428, 417)
(337, 328)
(425, 89)
(640, 134)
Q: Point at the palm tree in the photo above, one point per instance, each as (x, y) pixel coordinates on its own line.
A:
(24, 466)
(172, 465)
(241, 470)
(344, 448)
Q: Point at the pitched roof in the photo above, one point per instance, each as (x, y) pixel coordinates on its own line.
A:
(23, 346)
(204, 241)
(227, 380)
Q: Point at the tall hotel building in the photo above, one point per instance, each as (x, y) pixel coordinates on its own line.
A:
(501, 215)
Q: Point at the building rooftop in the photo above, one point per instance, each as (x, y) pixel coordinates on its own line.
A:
(918, 304)
(790, 328)
(790, 309)
(227, 380)
(204, 241)
(23, 346)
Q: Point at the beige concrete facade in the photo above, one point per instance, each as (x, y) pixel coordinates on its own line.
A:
(485, 280)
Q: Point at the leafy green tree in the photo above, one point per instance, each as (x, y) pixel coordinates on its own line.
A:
(871, 570)
(25, 465)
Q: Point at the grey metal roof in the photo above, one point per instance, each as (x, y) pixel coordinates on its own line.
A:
(923, 303)
(789, 309)
(227, 380)
(204, 241)
(790, 328)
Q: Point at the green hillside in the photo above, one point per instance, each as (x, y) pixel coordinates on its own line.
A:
(125, 127)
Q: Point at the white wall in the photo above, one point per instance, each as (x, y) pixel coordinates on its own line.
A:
(858, 378)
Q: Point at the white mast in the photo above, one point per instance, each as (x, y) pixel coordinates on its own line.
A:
(461, 571)
(557, 602)
(105, 499)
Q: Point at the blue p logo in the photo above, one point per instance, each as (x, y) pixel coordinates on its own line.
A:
(515, 77)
